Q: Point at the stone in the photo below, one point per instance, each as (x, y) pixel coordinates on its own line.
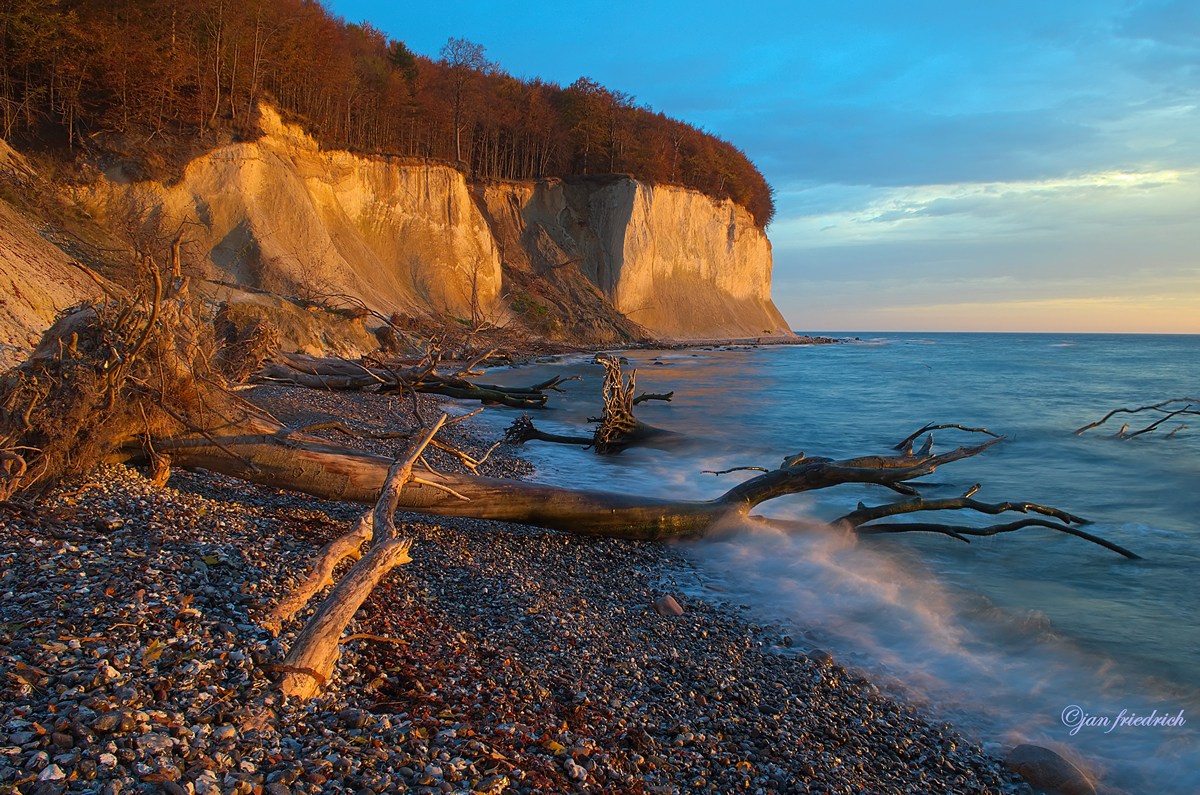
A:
(1046, 770)
(667, 606)
(492, 784)
(352, 718)
(224, 733)
(154, 743)
(52, 773)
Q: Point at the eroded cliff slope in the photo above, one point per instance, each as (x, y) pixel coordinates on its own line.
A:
(37, 280)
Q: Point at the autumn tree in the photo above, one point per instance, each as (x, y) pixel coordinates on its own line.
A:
(463, 58)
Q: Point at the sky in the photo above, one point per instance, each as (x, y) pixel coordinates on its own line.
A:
(1018, 165)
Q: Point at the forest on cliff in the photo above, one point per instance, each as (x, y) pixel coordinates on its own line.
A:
(148, 77)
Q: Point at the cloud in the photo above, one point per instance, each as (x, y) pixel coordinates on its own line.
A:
(983, 211)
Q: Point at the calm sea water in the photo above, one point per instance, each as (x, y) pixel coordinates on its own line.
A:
(1004, 635)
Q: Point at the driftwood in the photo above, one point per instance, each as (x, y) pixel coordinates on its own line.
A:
(279, 457)
(343, 374)
(616, 429)
(154, 400)
(310, 661)
(1189, 407)
(130, 380)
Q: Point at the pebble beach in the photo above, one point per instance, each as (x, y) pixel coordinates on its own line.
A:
(502, 659)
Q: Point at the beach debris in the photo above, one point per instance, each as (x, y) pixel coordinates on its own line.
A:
(617, 428)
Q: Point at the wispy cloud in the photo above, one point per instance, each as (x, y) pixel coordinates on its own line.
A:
(984, 210)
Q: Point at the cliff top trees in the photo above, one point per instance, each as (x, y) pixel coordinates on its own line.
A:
(89, 69)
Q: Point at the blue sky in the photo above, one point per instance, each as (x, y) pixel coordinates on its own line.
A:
(938, 165)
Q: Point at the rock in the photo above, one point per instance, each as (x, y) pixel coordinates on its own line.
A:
(107, 723)
(154, 744)
(109, 523)
(278, 789)
(492, 784)
(52, 773)
(224, 733)
(573, 770)
(667, 606)
(352, 718)
(1046, 770)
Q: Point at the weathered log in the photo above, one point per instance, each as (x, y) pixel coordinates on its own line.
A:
(342, 374)
(285, 459)
(341, 548)
(310, 661)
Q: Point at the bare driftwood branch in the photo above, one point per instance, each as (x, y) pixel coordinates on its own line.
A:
(906, 443)
(642, 398)
(1189, 408)
(733, 469)
(310, 661)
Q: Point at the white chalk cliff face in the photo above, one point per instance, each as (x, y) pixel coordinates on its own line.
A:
(283, 215)
(679, 263)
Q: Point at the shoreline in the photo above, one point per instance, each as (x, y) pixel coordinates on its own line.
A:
(519, 660)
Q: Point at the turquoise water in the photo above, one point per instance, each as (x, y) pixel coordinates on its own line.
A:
(1003, 635)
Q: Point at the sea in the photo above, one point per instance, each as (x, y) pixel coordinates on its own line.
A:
(1032, 636)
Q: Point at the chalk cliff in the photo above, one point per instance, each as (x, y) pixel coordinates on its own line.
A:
(280, 214)
(677, 262)
(37, 280)
(605, 259)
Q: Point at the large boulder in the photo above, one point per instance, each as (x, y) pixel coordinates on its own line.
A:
(1048, 771)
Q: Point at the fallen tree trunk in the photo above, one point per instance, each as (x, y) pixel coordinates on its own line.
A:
(276, 456)
(342, 374)
(310, 661)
